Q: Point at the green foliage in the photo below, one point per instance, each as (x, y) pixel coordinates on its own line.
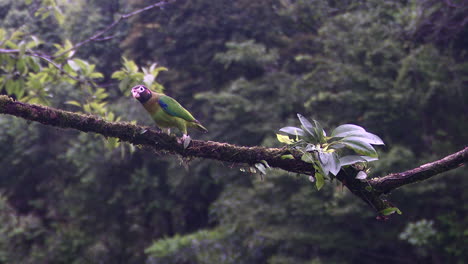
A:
(170, 246)
(326, 153)
(130, 76)
(247, 54)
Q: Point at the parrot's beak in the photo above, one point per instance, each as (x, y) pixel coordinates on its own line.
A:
(135, 94)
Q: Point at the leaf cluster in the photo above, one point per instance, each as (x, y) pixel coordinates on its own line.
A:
(327, 154)
(130, 75)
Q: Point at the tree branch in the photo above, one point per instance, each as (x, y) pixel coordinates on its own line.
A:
(146, 136)
(149, 137)
(392, 181)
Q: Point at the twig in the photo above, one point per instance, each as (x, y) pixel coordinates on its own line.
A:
(97, 35)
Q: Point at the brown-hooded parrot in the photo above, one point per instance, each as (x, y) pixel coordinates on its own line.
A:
(166, 111)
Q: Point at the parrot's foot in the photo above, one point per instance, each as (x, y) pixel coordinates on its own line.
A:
(186, 140)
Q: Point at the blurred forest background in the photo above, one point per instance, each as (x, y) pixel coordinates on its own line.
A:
(244, 68)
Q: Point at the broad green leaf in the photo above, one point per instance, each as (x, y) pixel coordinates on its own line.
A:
(96, 75)
(72, 102)
(130, 65)
(308, 157)
(21, 66)
(124, 84)
(81, 63)
(351, 159)
(361, 147)
(336, 165)
(336, 145)
(319, 181)
(287, 156)
(366, 137)
(295, 131)
(390, 210)
(73, 65)
(284, 139)
(319, 132)
(101, 93)
(330, 163)
(344, 130)
(17, 35)
(324, 158)
(309, 128)
(58, 15)
(11, 44)
(33, 63)
(156, 71)
(119, 75)
(22, 48)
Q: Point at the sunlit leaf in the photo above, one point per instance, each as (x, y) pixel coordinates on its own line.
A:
(284, 139)
(73, 65)
(319, 181)
(287, 156)
(58, 15)
(96, 75)
(119, 75)
(390, 210)
(292, 131)
(72, 102)
(344, 130)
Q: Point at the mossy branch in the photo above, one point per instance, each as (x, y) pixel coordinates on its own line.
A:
(146, 136)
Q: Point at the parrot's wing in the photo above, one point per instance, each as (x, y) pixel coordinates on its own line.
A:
(173, 108)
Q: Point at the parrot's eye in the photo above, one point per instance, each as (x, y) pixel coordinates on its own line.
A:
(141, 89)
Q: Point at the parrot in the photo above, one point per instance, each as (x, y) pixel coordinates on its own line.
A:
(166, 111)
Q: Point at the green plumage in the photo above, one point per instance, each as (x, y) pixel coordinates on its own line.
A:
(168, 113)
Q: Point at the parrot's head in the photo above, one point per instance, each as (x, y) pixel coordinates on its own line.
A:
(141, 93)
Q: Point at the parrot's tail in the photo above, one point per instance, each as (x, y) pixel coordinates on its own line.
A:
(200, 127)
